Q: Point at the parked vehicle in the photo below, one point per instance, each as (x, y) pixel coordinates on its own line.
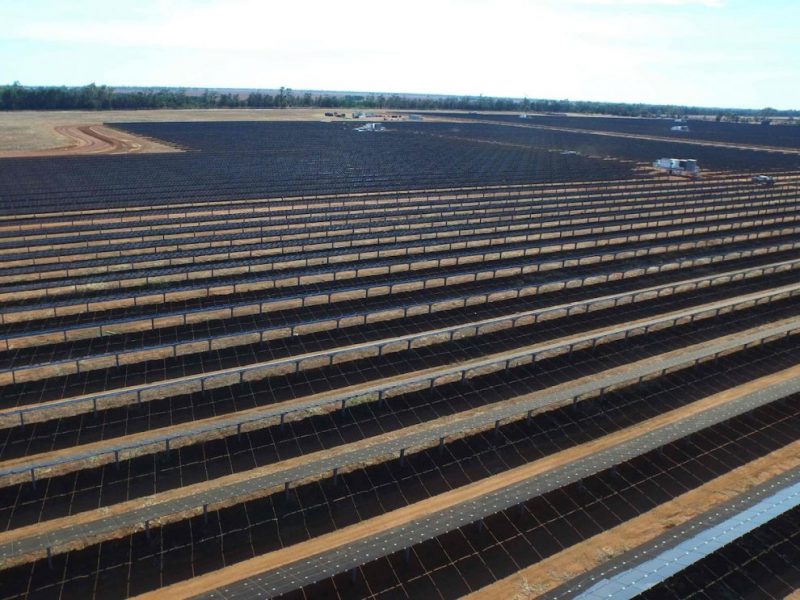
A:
(678, 166)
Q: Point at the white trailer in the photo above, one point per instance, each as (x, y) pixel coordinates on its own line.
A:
(678, 166)
(371, 127)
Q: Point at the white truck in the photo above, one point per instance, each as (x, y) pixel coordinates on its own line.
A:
(763, 180)
(678, 166)
(371, 127)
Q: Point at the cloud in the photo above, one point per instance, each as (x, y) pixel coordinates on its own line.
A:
(650, 3)
(684, 51)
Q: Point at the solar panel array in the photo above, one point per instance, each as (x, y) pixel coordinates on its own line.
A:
(367, 394)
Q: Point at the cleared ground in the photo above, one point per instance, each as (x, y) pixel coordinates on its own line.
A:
(58, 133)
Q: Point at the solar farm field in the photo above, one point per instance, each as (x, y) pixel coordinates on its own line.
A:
(781, 136)
(615, 148)
(447, 359)
(252, 160)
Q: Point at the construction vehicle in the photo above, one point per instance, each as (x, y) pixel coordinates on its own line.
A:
(678, 166)
(371, 127)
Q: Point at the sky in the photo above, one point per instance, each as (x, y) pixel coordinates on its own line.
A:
(729, 53)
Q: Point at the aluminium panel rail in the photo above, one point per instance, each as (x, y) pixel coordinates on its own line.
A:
(674, 550)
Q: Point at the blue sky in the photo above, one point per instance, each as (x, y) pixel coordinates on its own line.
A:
(702, 52)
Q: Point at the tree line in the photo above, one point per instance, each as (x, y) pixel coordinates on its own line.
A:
(94, 97)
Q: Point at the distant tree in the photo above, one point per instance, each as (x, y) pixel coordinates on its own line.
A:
(284, 97)
(10, 98)
(94, 97)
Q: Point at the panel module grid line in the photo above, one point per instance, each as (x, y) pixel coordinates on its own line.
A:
(706, 240)
(640, 353)
(615, 494)
(682, 201)
(348, 166)
(764, 560)
(786, 219)
(533, 287)
(541, 190)
(700, 129)
(194, 241)
(771, 437)
(402, 229)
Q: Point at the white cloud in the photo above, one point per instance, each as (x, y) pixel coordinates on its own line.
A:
(318, 25)
(653, 3)
(685, 51)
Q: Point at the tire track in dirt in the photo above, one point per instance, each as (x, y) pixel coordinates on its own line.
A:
(95, 139)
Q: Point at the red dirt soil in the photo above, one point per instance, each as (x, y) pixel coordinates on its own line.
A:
(95, 139)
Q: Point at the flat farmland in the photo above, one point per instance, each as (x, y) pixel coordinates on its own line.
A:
(294, 360)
